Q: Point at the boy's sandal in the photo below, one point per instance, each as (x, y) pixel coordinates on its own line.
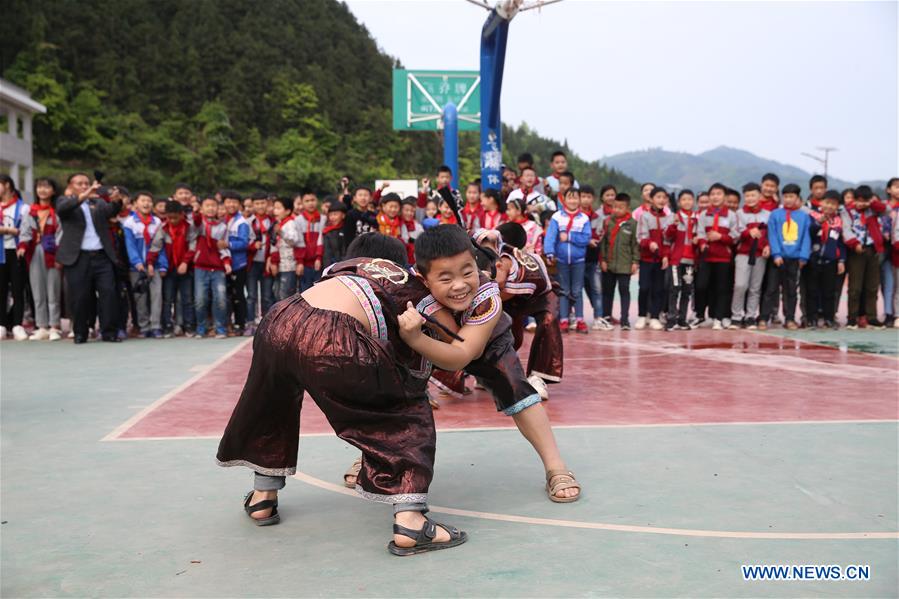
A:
(353, 471)
(272, 504)
(424, 538)
(564, 479)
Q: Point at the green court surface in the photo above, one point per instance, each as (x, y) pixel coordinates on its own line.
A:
(667, 510)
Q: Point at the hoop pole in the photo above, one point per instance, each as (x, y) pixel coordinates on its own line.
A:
(493, 57)
(451, 141)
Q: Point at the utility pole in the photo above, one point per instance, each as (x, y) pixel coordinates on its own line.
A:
(819, 159)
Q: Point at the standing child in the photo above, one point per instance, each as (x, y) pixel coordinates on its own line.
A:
(827, 259)
(619, 256)
(178, 285)
(260, 288)
(142, 230)
(389, 221)
(770, 187)
(863, 236)
(310, 224)
(681, 236)
(714, 234)
(212, 264)
(334, 236)
(592, 283)
(751, 260)
(788, 236)
(411, 228)
(567, 238)
(472, 212)
(494, 209)
(515, 212)
(286, 254)
(653, 260)
(13, 271)
(238, 244)
(529, 193)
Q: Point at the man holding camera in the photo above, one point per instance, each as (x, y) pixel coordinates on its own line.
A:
(87, 253)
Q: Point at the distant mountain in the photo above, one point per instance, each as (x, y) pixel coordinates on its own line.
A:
(731, 166)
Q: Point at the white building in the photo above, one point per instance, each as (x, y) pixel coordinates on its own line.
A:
(16, 155)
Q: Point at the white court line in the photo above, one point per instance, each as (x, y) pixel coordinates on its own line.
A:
(476, 429)
(683, 532)
(134, 419)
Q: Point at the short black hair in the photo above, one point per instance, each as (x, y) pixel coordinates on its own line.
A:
(588, 189)
(568, 174)
(891, 181)
(752, 187)
(817, 179)
(685, 192)
(285, 203)
(391, 197)
(144, 192)
(623, 197)
(496, 195)
(76, 174)
(444, 169)
(230, 194)
(605, 188)
(259, 195)
(643, 186)
(572, 191)
(833, 194)
(718, 186)
(159, 199)
(183, 186)
(376, 245)
(864, 192)
(792, 188)
(771, 177)
(558, 153)
(528, 168)
(173, 207)
(513, 234)
(409, 201)
(442, 241)
(657, 190)
(526, 157)
(361, 188)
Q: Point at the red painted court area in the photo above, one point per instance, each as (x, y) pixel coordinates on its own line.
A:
(631, 378)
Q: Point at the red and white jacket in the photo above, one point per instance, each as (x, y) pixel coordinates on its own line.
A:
(310, 226)
(651, 228)
(681, 229)
(724, 222)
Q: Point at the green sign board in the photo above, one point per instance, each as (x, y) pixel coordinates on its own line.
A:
(419, 98)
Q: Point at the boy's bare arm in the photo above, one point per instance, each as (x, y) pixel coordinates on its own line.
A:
(448, 356)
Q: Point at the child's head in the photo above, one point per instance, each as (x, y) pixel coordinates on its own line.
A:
(489, 238)
(621, 205)
(376, 245)
(159, 207)
(444, 257)
(703, 201)
(685, 200)
(659, 198)
(526, 159)
(491, 201)
(326, 205)
(528, 177)
(46, 189)
(818, 186)
(572, 200)
(566, 182)
(732, 198)
(183, 194)
(716, 194)
(513, 234)
(863, 196)
(646, 191)
(174, 212)
(770, 185)
(472, 193)
(143, 202)
(444, 175)
(791, 196)
(830, 202)
(390, 205)
(893, 188)
(209, 207)
(446, 211)
(231, 200)
(260, 203)
(310, 201)
(607, 195)
(362, 198)
(431, 209)
(848, 197)
(752, 195)
(588, 197)
(281, 208)
(559, 162)
(247, 207)
(514, 209)
(336, 214)
(222, 212)
(408, 208)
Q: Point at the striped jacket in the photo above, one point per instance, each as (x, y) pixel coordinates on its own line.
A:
(747, 220)
(724, 222)
(651, 229)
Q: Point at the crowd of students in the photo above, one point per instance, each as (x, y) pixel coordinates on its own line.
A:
(199, 264)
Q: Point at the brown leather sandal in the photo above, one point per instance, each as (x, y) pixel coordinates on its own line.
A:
(353, 471)
(564, 479)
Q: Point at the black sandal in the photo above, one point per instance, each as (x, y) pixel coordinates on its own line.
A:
(424, 538)
(272, 504)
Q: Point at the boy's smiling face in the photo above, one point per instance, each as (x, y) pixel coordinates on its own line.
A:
(453, 280)
(391, 209)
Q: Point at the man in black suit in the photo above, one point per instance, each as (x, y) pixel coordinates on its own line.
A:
(87, 253)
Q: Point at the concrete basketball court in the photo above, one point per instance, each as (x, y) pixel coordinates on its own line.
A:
(698, 452)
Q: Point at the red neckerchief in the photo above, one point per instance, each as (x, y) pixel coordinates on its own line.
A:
(330, 228)
(9, 203)
(492, 218)
(658, 214)
(311, 218)
(717, 212)
(409, 224)
(789, 216)
(756, 210)
(51, 218)
(614, 233)
(825, 231)
(284, 222)
(606, 210)
(178, 233)
(258, 230)
(526, 191)
(451, 220)
(146, 223)
(469, 213)
(389, 226)
(571, 217)
(591, 214)
(521, 220)
(207, 228)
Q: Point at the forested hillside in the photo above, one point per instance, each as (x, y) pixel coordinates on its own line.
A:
(282, 94)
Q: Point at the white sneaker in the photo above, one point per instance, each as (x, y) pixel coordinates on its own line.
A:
(40, 335)
(656, 325)
(19, 333)
(716, 325)
(531, 327)
(726, 323)
(2, 332)
(538, 384)
(601, 324)
(641, 323)
(55, 335)
(71, 335)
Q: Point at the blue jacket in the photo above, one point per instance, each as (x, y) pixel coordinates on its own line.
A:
(238, 240)
(137, 249)
(575, 249)
(830, 249)
(793, 242)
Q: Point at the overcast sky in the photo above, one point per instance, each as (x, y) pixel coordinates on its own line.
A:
(774, 78)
